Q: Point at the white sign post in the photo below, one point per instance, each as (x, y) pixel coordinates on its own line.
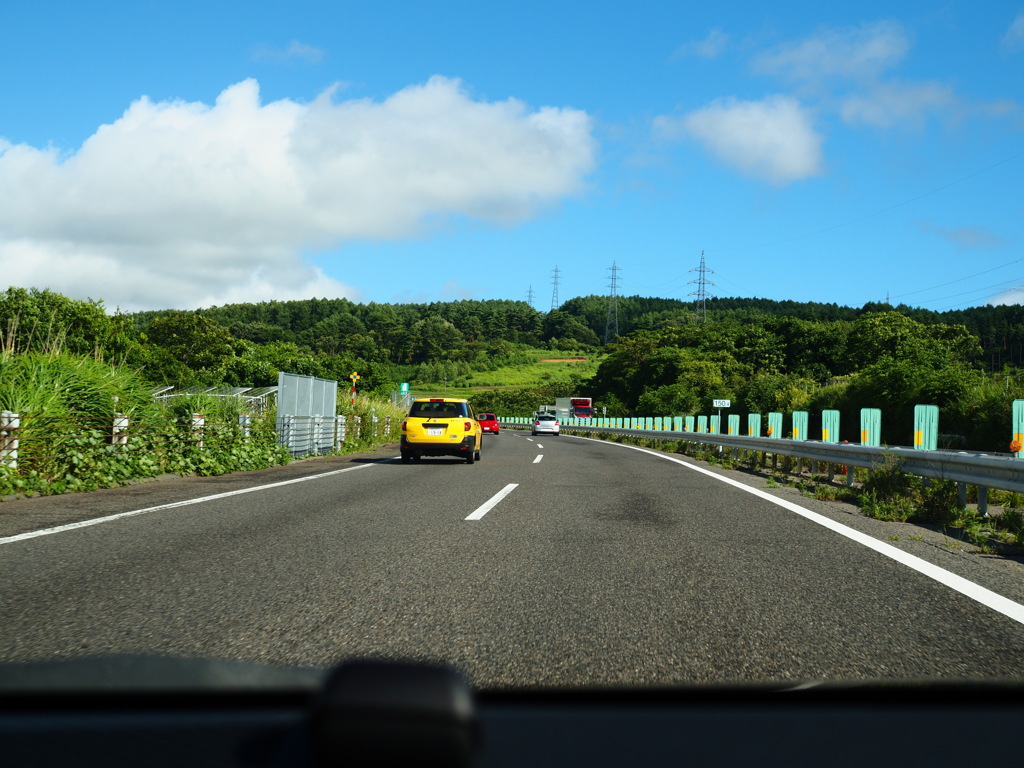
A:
(720, 404)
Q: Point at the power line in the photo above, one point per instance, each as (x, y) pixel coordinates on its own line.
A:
(958, 280)
(554, 291)
(1005, 285)
(529, 295)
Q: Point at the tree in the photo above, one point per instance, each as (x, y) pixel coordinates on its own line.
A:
(765, 392)
(759, 348)
(892, 335)
(433, 339)
(562, 325)
(332, 334)
(34, 320)
(670, 400)
(198, 342)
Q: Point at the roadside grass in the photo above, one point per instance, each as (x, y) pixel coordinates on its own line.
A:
(67, 406)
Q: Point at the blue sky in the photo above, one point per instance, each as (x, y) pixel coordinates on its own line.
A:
(159, 154)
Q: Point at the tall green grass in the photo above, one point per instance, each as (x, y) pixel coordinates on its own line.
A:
(67, 405)
(58, 384)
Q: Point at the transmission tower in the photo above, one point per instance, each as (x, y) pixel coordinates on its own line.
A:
(529, 295)
(554, 292)
(702, 283)
(611, 326)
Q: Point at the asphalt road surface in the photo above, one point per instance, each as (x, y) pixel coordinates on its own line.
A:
(554, 561)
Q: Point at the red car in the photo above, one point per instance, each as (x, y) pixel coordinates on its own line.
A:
(489, 423)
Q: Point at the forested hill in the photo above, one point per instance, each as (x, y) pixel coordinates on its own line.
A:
(413, 332)
(763, 355)
(999, 329)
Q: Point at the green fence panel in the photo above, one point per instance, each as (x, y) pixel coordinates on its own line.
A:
(691, 423)
(1018, 429)
(800, 425)
(702, 424)
(715, 425)
(753, 425)
(871, 427)
(734, 424)
(926, 427)
(830, 426)
(775, 425)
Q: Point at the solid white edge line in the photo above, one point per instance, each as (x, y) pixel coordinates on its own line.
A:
(492, 502)
(539, 457)
(185, 503)
(986, 597)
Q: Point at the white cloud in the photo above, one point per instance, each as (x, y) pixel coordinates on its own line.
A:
(179, 204)
(850, 69)
(294, 50)
(858, 53)
(452, 290)
(966, 238)
(1012, 296)
(886, 105)
(711, 47)
(773, 139)
(1014, 37)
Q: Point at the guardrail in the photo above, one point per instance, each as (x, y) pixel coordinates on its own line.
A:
(1002, 472)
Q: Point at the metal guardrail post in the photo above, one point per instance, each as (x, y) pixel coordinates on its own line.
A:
(198, 423)
(10, 423)
(284, 430)
(119, 433)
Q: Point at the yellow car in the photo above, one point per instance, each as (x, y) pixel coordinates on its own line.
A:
(441, 426)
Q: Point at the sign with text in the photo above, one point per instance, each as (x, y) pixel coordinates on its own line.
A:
(721, 403)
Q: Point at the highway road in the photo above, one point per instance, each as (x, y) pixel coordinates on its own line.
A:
(554, 561)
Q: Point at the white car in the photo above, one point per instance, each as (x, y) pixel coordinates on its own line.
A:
(545, 423)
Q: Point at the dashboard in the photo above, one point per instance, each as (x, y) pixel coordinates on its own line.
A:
(171, 712)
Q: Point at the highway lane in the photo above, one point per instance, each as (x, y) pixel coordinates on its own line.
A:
(602, 565)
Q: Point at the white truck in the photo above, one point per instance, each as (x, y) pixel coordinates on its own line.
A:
(574, 407)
